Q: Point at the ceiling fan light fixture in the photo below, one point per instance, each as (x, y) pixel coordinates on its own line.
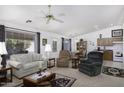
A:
(50, 16)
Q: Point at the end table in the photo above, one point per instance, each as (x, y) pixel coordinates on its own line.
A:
(75, 62)
(2, 70)
(50, 61)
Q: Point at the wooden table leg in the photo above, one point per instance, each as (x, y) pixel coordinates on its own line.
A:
(0, 82)
(11, 75)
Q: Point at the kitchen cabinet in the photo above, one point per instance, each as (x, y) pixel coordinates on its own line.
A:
(104, 42)
(108, 55)
(108, 41)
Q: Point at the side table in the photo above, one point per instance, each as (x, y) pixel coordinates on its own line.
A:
(51, 62)
(3, 72)
(75, 62)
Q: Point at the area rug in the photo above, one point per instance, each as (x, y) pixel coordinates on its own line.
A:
(117, 72)
(63, 81)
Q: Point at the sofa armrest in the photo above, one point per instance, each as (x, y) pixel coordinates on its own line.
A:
(43, 59)
(15, 64)
(42, 64)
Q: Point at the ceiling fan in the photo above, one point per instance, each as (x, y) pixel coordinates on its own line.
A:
(49, 17)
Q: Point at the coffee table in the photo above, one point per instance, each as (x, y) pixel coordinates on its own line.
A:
(38, 80)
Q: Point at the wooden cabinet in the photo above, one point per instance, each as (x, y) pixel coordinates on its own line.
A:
(117, 39)
(81, 48)
(108, 41)
(108, 55)
(81, 45)
(104, 42)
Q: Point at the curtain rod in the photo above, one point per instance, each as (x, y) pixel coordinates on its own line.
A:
(20, 29)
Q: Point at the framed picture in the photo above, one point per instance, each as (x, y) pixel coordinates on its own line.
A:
(44, 41)
(54, 46)
(117, 33)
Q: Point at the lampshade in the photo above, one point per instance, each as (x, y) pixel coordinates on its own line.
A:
(3, 48)
(48, 48)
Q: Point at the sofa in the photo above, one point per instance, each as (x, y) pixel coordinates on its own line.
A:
(93, 64)
(64, 58)
(25, 64)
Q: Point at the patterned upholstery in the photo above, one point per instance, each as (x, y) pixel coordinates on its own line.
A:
(64, 57)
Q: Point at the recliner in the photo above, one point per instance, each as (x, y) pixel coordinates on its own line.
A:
(64, 57)
(92, 65)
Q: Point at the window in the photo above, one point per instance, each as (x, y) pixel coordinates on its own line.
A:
(66, 44)
(18, 41)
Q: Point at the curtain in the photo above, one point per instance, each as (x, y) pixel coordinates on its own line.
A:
(62, 43)
(38, 42)
(2, 33)
(19, 41)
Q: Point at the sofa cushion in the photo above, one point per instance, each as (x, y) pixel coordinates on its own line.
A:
(37, 57)
(28, 58)
(30, 65)
(23, 58)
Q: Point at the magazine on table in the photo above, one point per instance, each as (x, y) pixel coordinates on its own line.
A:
(42, 74)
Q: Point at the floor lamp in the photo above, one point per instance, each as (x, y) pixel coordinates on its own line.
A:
(48, 50)
(3, 53)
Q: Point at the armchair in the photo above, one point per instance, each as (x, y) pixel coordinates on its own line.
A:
(92, 65)
(64, 57)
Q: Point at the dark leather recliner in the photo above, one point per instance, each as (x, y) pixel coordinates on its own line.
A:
(93, 64)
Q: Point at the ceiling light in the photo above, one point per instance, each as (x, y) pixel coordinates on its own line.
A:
(28, 21)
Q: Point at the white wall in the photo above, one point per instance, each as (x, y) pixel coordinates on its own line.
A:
(91, 38)
(50, 38)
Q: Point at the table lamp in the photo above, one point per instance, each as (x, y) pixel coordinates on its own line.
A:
(3, 53)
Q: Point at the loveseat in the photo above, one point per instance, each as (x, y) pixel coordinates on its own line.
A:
(25, 64)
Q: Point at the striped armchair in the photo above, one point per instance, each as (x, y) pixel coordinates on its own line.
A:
(64, 58)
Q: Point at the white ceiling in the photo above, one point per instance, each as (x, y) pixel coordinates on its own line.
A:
(78, 19)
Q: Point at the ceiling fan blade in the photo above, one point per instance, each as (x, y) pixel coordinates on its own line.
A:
(58, 20)
(48, 20)
(43, 13)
